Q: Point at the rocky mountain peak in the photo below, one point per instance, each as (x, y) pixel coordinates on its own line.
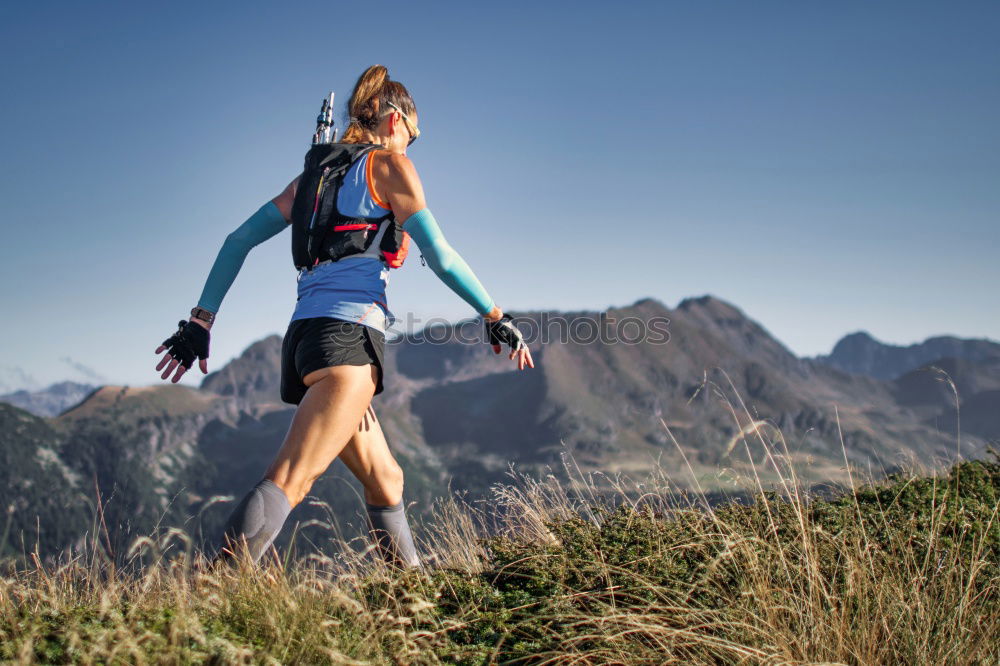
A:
(252, 377)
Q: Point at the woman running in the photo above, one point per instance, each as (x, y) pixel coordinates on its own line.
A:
(348, 212)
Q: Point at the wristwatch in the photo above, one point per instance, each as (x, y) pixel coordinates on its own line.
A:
(204, 315)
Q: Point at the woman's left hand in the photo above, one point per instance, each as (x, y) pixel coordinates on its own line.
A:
(503, 331)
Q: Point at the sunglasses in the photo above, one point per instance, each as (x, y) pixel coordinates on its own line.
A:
(410, 127)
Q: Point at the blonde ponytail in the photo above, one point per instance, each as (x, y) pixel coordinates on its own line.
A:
(371, 91)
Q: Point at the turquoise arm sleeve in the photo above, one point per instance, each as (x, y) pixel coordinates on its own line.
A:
(445, 262)
(260, 226)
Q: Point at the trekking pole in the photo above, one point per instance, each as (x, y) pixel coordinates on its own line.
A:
(324, 123)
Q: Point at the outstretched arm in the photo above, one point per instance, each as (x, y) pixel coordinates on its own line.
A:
(183, 346)
(406, 196)
(446, 263)
(265, 223)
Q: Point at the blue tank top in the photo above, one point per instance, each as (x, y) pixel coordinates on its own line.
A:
(353, 288)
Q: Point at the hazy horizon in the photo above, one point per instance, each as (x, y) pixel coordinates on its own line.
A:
(83, 374)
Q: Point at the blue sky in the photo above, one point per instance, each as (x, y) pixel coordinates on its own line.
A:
(826, 167)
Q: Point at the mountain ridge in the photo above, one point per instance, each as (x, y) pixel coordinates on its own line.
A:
(861, 353)
(51, 400)
(458, 416)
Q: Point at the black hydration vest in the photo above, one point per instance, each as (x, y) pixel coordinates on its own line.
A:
(319, 232)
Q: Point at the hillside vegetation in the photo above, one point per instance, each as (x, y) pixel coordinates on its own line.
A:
(131, 459)
(906, 570)
(773, 551)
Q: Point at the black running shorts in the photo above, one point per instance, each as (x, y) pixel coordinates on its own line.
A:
(322, 342)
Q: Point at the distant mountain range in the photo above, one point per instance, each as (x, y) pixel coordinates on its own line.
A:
(458, 417)
(862, 354)
(49, 401)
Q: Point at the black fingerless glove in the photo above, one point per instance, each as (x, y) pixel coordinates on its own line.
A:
(503, 332)
(190, 341)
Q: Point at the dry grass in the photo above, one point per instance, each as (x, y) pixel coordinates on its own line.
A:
(551, 571)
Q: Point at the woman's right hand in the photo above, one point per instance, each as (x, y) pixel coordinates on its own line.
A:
(190, 341)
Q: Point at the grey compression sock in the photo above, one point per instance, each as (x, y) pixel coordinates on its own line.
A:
(390, 531)
(258, 519)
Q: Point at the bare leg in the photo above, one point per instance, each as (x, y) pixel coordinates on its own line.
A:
(326, 419)
(334, 403)
(368, 457)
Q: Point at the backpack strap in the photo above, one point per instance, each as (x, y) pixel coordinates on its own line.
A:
(352, 151)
